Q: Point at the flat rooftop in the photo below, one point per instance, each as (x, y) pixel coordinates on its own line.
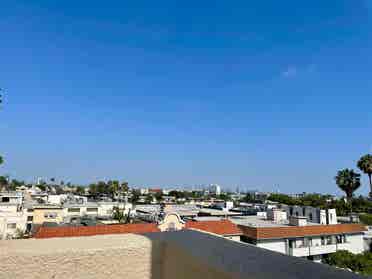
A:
(261, 222)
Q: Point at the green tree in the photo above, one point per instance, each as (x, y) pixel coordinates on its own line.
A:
(124, 187)
(102, 187)
(1, 160)
(42, 186)
(348, 181)
(3, 182)
(361, 263)
(113, 187)
(80, 190)
(365, 165)
(149, 199)
(118, 214)
(225, 197)
(282, 198)
(93, 189)
(159, 196)
(15, 183)
(135, 196)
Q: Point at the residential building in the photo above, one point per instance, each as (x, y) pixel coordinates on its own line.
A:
(295, 236)
(313, 215)
(12, 224)
(215, 189)
(47, 214)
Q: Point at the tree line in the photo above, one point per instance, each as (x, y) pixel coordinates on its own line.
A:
(348, 180)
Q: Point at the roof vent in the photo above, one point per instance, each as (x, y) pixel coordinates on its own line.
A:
(299, 221)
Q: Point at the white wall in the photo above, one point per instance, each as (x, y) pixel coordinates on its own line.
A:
(274, 245)
(4, 207)
(11, 218)
(354, 244)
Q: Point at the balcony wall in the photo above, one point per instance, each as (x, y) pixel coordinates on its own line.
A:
(323, 249)
(300, 252)
(169, 255)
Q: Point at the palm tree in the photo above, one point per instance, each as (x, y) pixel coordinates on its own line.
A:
(365, 165)
(348, 181)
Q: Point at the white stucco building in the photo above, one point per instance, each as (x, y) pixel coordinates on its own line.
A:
(296, 236)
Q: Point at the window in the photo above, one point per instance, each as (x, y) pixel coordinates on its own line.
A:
(340, 239)
(329, 240)
(50, 215)
(92, 209)
(30, 218)
(5, 199)
(291, 211)
(30, 210)
(76, 210)
(11, 226)
(322, 240)
(296, 213)
(303, 211)
(311, 216)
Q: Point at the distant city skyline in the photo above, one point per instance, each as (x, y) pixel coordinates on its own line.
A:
(263, 94)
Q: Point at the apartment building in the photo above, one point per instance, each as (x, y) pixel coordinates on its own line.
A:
(12, 219)
(296, 236)
(312, 214)
(47, 213)
(93, 209)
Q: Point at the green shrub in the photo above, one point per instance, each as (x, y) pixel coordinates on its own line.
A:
(361, 263)
(366, 219)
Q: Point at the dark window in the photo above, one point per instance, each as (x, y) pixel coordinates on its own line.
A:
(311, 216)
(5, 199)
(11, 226)
(303, 211)
(30, 218)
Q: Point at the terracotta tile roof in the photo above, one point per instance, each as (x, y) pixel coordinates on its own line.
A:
(288, 232)
(48, 232)
(221, 227)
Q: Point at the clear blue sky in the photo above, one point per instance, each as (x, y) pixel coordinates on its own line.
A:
(186, 92)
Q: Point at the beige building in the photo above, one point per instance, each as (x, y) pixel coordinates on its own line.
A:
(47, 213)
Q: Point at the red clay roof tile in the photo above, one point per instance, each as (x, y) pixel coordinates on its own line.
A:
(288, 232)
(48, 232)
(221, 227)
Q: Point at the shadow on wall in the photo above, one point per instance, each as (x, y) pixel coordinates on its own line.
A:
(192, 254)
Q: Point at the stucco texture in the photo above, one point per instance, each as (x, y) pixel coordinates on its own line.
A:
(111, 256)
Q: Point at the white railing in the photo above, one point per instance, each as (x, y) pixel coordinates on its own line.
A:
(317, 250)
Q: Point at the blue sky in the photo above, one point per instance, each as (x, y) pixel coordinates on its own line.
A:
(268, 95)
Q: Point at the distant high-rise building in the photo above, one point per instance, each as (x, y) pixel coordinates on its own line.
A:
(215, 189)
